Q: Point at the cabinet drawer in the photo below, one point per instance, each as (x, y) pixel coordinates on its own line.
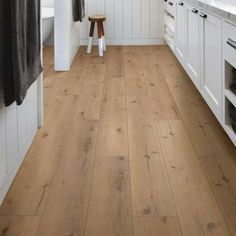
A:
(170, 6)
(165, 2)
(229, 38)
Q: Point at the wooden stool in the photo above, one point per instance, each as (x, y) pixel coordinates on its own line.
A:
(99, 19)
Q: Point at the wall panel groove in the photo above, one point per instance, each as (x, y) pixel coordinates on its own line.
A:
(129, 21)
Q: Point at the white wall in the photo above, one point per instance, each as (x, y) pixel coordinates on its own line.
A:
(47, 3)
(128, 21)
(18, 126)
(67, 35)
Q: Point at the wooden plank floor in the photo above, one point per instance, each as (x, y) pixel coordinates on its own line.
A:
(128, 148)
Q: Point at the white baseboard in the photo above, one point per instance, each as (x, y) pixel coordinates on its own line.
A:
(158, 41)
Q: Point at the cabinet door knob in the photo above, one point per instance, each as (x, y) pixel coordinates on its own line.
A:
(231, 43)
(195, 10)
(170, 3)
(203, 15)
(165, 0)
(181, 3)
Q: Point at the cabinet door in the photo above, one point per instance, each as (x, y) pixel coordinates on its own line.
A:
(181, 31)
(211, 43)
(193, 46)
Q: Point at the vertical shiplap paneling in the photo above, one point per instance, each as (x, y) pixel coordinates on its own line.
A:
(3, 143)
(100, 7)
(154, 18)
(18, 126)
(32, 112)
(161, 18)
(22, 126)
(92, 10)
(136, 13)
(127, 19)
(110, 22)
(12, 145)
(118, 17)
(145, 19)
(84, 24)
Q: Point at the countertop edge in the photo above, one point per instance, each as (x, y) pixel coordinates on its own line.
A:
(216, 7)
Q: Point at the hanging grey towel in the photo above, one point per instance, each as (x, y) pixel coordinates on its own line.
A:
(78, 10)
(22, 50)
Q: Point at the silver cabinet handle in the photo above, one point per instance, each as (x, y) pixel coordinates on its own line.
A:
(195, 10)
(181, 3)
(203, 15)
(231, 43)
(170, 3)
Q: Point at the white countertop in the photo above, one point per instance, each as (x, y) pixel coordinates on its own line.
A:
(224, 8)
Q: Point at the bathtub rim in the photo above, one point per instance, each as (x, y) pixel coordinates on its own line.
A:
(47, 12)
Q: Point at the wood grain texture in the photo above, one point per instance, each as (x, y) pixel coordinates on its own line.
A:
(151, 194)
(198, 211)
(112, 134)
(66, 209)
(163, 103)
(110, 201)
(156, 226)
(221, 174)
(19, 225)
(129, 147)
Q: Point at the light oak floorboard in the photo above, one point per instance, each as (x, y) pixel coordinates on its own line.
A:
(163, 103)
(129, 147)
(112, 137)
(19, 225)
(151, 194)
(110, 202)
(222, 174)
(66, 209)
(198, 211)
(156, 226)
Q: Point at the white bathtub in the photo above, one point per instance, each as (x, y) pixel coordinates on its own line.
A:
(48, 22)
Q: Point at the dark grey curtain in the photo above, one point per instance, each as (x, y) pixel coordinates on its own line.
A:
(78, 10)
(21, 48)
(1, 53)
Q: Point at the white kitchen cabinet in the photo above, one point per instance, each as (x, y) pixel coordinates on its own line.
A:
(180, 36)
(211, 58)
(193, 44)
(229, 67)
(205, 46)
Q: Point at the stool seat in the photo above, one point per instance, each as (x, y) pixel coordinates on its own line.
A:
(97, 18)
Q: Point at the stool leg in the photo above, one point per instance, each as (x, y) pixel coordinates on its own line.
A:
(100, 41)
(90, 42)
(103, 37)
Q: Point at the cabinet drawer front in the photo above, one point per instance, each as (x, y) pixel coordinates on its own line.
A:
(230, 42)
(165, 2)
(211, 61)
(181, 32)
(192, 50)
(171, 7)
